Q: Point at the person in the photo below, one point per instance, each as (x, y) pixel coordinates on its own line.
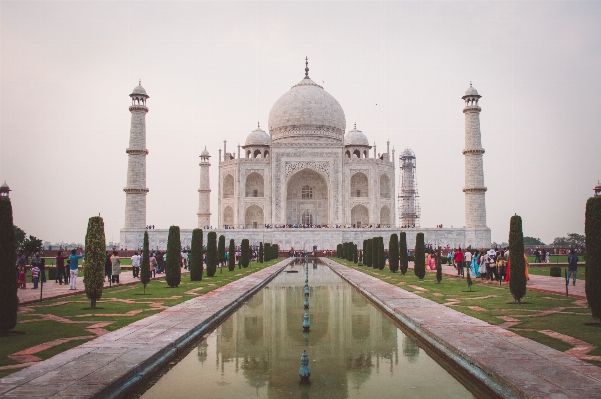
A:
(526, 266)
(35, 260)
(42, 267)
(35, 273)
(108, 267)
(492, 264)
(572, 266)
(22, 278)
(74, 268)
(483, 265)
(135, 265)
(459, 262)
(475, 266)
(116, 267)
(467, 260)
(60, 268)
(153, 265)
(160, 262)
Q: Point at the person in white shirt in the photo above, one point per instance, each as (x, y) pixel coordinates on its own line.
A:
(136, 260)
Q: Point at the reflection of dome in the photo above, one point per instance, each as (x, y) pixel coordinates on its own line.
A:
(307, 110)
(258, 137)
(471, 91)
(355, 137)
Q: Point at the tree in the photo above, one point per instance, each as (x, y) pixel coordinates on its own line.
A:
(592, 271)
(393, 253)
(196, 267)
(381, 255)
(173, 272)
(260, 252)
(8, 272)
(267, 254)
(532, 241)
(349, 251)
(560, 242)
(245, 250)
(221, 250)
(145, 266)
(438, 266)
(403, 258)
(19, 237)
(231, 256)
(517, 277)
(276, 251)
(375, 248)
(211, 253)
(576, 239)
(362, 251)
(419, 264)
(355, 256)
(367, 256)
(339, 250)
(93, 271)
(31, 245)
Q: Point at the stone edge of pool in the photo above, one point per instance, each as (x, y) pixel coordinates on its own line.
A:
(111, 365)
(508, 364)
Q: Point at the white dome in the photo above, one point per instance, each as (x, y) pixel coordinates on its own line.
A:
(355, 137)
(205, 153)
(471, 91)
(307, 110)
(139, 90)
(407, 153)
(258, 137)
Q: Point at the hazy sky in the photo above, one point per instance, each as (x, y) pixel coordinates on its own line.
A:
(213, 69)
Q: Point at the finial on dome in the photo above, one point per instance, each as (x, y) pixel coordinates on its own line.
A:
(355, 125)
(306, 67)
(258, 125)
(139, 82)
(470, 83)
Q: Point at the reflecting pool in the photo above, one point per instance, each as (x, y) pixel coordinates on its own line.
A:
(355, 350)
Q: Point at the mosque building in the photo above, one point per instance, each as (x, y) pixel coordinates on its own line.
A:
(305, 182)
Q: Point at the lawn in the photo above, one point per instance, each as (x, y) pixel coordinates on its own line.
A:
(544, 271)
(495, 305)
(69, 317)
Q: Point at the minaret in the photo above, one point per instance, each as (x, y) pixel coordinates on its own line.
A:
(204, 192)
(475, 204)
(408, 204)
(135, 190)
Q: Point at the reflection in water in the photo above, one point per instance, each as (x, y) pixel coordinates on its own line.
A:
(353, 348)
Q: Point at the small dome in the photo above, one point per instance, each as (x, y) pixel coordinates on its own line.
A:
(258, 137)
(407, 153)
(471, 91)
(139, 89)
(205, 153)
(597, 187)
(355, 137)
(4, 185)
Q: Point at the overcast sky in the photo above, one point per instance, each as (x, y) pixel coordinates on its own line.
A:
(213, 69)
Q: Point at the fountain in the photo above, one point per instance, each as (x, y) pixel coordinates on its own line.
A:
(304, 371)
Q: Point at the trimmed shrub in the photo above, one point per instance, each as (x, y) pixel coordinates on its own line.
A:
(231, 256)
(554, 271)
(393, 253)
(267, 254)
(438, 267)
(8, 272)
(403, 259)
(419, 265)
(93, 271)
(173, 272)
(196, 268)
(276, 251)
(211, 253)
(355, 255)
(375, 249)
(244, 249)
(260, 252)
(221, 250)
(592, 271)
(145, 266)
(367, 258)
(361, 254)
(517, 276)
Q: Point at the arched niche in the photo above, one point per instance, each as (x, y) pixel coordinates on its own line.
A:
(257, 154)
(384, 186)
(228, 216)
(255, 186)
(359, 185)
(307, 194)
(228, 186)
(254, 217)
(359, 216)
(385, 215)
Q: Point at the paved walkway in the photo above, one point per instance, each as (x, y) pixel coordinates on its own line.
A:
(505, 362)
(53, 290)
(120, 359)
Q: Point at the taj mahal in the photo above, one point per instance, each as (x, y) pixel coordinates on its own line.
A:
(307, 182)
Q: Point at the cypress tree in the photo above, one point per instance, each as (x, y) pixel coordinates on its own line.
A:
(403, 259)
(260, 252)
(361, 253)
(367, 255)
(375, 246)
(244, 255)
(173, 272)
(267, 249)
(9, 301)
(355, 256)
(381, 255)
(393, 253)
(145, 266)
(339, 250)
(93, 270)
(349, 251)
(517, 277)
(419, 264)
(592, 271)
(221, 250)
(211, 254)
(438, 267)
(231, 256)
(276, 251)
(196, 268)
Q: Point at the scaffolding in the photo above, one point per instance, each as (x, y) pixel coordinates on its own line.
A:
(409, 209)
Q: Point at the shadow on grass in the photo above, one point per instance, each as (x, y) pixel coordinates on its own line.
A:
(519, 304)
(597, 324)
(12, 333)
(143, 293)
(97, 308)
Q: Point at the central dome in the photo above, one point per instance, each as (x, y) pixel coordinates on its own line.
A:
(307, 110)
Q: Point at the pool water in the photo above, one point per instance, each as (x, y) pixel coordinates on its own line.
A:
(355, 350)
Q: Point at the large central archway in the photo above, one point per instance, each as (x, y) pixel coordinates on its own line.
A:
(307, 198)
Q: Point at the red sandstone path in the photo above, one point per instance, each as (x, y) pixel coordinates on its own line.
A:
(53, 290)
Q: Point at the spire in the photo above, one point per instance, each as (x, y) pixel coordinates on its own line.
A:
(258, 125)
(139, 82)
(306, 67)
(355, 125)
